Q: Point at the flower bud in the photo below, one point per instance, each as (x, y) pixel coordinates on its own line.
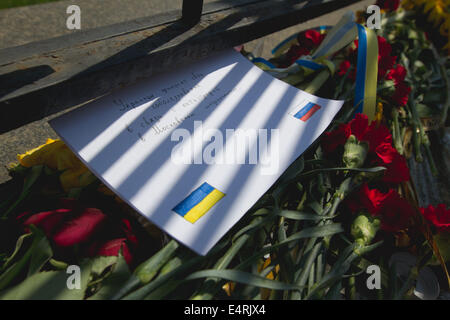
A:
(355, 152)
(364, 228)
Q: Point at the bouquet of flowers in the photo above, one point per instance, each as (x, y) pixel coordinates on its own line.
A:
(343, 221)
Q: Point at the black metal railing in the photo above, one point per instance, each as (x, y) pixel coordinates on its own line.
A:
(41, 78)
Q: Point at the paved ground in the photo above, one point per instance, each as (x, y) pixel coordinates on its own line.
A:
(27, 24)
(32, 23)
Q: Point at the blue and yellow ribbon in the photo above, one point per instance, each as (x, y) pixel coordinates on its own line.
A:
(337, 38)
(366, 72)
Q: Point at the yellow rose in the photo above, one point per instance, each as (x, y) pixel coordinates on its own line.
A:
(56, 155)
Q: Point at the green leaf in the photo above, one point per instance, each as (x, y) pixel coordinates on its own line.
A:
(113, 282)
(312, 232)
(51, 285)
(100, 263)
(163, 291)
(38, 254)
(30, 179)
(19, 244)
(316, 207)
(293, 170)
(316, 171)
(256, 223)
(243, 277)
(345, 260)
(41, 252)
(144, 291)
(298, 215)
(147, 270)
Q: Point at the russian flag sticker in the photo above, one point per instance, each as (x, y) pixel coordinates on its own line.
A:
(307, 111)
(195, 205)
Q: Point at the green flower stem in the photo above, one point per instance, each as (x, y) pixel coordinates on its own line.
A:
(443, 71)
(345, 188)
(350, 290)
(60, 265)
(320, 263)
(397, 134)
(209, 287)
(417, 140)
(311, 278)
(431, 162)
(306, 271)
(444, 112)
(147, 270)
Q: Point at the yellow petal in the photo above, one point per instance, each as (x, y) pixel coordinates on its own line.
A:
(71, 178)
(38, 155)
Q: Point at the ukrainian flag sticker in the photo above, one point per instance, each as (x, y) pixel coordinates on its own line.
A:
(306, 111)
(198, 203)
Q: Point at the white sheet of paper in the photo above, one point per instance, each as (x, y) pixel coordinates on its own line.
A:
(125, 138)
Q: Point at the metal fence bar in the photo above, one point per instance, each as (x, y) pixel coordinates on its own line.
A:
(192, 11)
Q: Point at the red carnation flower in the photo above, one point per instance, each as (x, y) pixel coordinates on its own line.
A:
(377, 135)
(366, 199)
(385, 60)
(373, 199)
(331, 140)
(401, 94)
(388, 5)
(296, 52)
(381, 152)
(398, 74)
(374, 134)
(439, 216)
(396, 171)
(310, 39)
(395, 213)
(307, 40)
(343, 67)
(386, 152)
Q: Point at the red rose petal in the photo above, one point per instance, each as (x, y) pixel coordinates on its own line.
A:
(47, 221)
(112, 248)
(80, 229)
